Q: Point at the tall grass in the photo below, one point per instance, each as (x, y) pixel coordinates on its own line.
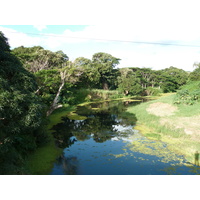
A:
(86, 95)
(97, 94)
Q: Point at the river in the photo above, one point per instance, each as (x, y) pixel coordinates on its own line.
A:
(100, 139)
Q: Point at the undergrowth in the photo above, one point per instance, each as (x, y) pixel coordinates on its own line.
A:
(189, 94)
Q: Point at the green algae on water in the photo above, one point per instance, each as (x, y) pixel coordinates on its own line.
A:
(74, 116)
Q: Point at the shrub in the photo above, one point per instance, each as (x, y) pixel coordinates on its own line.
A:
(153, 91)
(186, 97)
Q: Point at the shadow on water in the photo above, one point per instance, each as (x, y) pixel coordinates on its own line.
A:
(69, 164)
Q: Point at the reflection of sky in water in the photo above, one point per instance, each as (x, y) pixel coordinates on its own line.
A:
(124, 154)
(123, 132)
(106, 144)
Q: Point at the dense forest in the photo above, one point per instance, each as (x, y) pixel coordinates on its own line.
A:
(35, 81)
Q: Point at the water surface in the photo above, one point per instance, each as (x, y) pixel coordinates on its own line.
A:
(104, 142)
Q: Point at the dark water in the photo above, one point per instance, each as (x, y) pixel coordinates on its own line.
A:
(104, 142)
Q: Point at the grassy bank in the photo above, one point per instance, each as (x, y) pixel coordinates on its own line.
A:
(177, 125)
(41, 161)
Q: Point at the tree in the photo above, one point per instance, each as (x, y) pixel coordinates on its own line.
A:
(172, 79)
(105, 63)
(52, 71)
(147, 76)
(128, 83)
(195, 75)
(81, 61)
(21, 111)
(90, 77)
(37, 58)
(68, 74)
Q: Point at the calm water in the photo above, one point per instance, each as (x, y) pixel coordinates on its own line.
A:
(99, 139)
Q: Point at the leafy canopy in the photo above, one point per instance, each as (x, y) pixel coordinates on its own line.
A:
(21, 110)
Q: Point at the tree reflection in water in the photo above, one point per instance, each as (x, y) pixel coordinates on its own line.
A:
(69, 164)
(100, 124)
(110, 125)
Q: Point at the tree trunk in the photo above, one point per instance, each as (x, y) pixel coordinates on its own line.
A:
(55, 105)
(105, 86)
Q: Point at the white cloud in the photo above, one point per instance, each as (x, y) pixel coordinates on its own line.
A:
(144, 29)
(40, 27)
(17, 39)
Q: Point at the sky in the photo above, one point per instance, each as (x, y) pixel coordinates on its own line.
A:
(154, 34)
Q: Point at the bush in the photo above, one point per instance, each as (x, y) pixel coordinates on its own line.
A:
(153, 91)
(189, 94)
(186, 97)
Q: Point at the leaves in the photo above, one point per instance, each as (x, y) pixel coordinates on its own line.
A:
(21, 109)
(37, 58)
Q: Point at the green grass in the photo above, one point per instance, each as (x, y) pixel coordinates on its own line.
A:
(41, 161)
(191, 86)
(177, 140)
(188, 110)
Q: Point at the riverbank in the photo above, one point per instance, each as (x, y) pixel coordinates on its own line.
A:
(41, 161)
(177, 125)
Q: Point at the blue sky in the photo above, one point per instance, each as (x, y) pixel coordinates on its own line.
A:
(48, 29)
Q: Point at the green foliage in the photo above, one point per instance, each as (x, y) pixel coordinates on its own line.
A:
(75, 96)
(189, 94)
(21, 111)
(128, 83)
(195, 75)
(105, 63)
(37, 58)
(48, 82)
(96, 95)
(150, 91)
(171, 79)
